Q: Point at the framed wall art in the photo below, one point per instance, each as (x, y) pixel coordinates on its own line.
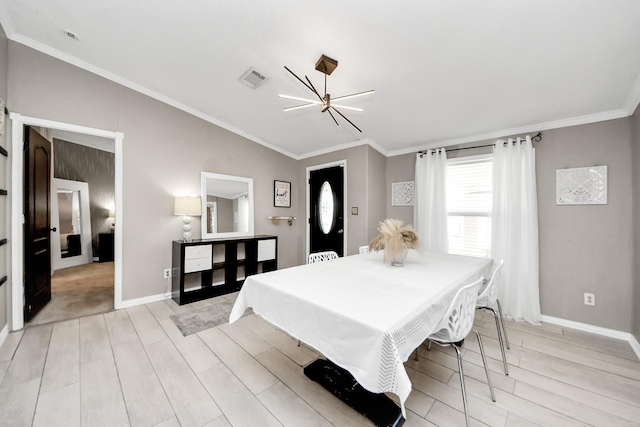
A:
(581, 186)
(281, 194)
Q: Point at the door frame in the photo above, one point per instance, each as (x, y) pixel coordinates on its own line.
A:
(342, 163)
(18, 122)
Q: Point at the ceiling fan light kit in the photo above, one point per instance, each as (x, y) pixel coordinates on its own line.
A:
(326, 66)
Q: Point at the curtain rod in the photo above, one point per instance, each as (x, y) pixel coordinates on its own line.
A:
(535, 138)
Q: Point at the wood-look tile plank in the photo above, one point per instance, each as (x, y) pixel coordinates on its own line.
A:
(252, 374)
(292, 375)
(583, 412)
(63, 360)
(446, 416)
(148, 329)
(289, 409)
(413, 420)
(160, 310)
(193, 350)
(480, 408)
(146, 402)
(249, 341)
(190, 401)
(29, 359)
(221, 421)
(94, 339)
(587, 357)
(178, 308)
(119, 327)
(8, 348)
(515, 421)
(236, 401)
(59, 407)
(615, 386)
(302, 355)
(100, 394)
(18, 403)
(598, 401)
(171, 422)
(417, 402)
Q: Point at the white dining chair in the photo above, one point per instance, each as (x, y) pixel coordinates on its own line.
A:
(363, 249)
(487, 299)
(322, 256)
(455, 326)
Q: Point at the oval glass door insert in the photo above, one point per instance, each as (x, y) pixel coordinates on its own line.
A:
(325, 207)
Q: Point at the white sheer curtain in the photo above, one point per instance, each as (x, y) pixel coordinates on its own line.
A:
(430, 210)
(515, 228)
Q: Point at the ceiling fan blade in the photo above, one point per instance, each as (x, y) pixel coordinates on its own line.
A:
(296, 98)
(334, 119)
(350, 122)
(301, 81)
(355, 95)
(345, 107)
(313, 87)
(297, 107)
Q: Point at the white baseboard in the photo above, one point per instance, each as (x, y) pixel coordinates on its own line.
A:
(144, 300)
(4, 333)
(611, 333)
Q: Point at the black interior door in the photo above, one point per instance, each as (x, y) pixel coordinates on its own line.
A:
(326, 195)
(37, 208)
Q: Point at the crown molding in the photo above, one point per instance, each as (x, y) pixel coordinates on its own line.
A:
(556, 124)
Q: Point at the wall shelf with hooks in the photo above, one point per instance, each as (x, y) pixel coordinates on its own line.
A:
(289, 219)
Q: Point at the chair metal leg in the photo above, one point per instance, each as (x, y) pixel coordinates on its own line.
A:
(499, 329)
(429, 346)
(506, 338)
(464, 391)
(298, 343)
(416, 354)
(486, 369)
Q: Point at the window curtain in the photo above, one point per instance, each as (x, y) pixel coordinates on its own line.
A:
(515, 228)
(430, 210)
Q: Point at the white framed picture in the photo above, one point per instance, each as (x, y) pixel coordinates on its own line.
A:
(281, 194)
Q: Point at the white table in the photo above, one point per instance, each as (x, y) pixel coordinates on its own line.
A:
(362, 314)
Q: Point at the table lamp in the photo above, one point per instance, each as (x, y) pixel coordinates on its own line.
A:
(187, 207)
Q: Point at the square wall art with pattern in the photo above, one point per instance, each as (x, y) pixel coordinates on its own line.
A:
(402, 193)
(581, 186)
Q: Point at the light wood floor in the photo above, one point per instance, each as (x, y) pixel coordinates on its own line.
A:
(133, 367)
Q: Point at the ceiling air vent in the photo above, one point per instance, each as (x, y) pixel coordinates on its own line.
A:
(252, 78)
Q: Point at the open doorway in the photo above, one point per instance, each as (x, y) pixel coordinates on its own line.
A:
(18, 123)
(82, 199)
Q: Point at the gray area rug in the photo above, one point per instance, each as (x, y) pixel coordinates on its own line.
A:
(204, 318)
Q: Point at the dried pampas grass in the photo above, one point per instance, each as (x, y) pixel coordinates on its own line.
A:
(395, 238)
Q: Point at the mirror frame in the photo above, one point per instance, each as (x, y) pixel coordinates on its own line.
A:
(204, 176)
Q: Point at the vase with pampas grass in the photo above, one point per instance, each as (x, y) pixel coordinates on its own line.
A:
(396, 239)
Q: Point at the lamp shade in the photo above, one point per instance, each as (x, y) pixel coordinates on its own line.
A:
(112, 214)
(187, 206)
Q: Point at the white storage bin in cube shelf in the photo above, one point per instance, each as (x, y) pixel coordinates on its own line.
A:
(199, 251)
(266, 249)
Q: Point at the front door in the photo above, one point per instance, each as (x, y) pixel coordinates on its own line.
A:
(326, 210)
(37, 228)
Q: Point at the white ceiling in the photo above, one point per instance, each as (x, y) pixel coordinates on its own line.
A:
(444, 71)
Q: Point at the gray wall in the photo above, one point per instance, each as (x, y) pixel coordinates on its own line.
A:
(362, 165)
(95, 167)
(5, 224)
(164, 151)
(635, 123)
(587, 248)
(582, 248)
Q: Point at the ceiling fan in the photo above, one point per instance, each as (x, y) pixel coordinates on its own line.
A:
(325, 65)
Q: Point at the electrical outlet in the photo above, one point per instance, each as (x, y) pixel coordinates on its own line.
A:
(589, 299)
(167, 273)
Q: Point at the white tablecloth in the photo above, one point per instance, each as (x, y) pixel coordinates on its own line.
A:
(362, 314)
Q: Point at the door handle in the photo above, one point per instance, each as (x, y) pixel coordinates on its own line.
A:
(54, 229)
(340, 231)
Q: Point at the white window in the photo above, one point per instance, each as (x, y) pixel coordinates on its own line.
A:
(469, 199)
